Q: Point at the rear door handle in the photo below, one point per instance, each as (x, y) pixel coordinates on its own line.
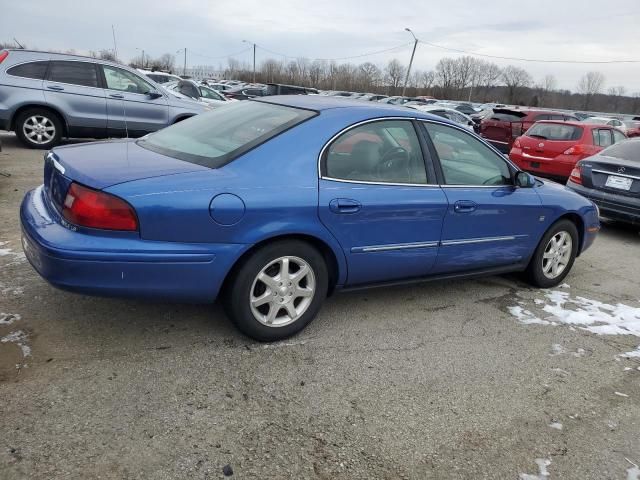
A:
(116, 95)
(344, 205)
(465, 206)
(57, 88)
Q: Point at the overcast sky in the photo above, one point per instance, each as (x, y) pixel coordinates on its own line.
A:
(560, 29)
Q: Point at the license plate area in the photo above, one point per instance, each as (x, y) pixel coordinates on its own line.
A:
(535, 164)
(619, 183)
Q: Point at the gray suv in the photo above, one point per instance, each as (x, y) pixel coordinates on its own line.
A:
(47, 96)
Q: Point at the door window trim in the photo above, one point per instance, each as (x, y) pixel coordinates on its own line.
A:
(410, 120)
(436, 159)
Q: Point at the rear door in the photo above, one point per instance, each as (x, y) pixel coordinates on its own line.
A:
(73, 88)
(489, 222)
(129, 106)
(380, 202)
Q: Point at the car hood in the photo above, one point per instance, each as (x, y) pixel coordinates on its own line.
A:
(103, 164)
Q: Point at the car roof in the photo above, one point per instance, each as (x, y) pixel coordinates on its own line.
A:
(50, 55)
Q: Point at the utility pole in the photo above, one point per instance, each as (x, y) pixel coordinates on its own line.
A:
(254, 59)
(184, 69)
(415, 44)
(115, 47)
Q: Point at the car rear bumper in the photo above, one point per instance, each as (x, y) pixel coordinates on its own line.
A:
(121, 266)
(611, 205)
(558, 168)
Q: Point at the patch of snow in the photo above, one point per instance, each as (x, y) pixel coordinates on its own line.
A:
(620, 394)
(557, 349)
(558, 307)
(633, 472)
(8, 318)
(19, 338)
(19, 257)
(543, 473)
(556, 425)
(626, 369)
(564, 285)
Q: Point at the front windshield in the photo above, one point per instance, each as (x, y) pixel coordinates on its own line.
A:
(215, 138)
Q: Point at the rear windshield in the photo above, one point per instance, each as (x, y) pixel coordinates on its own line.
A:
(625, 150)
(215, 138)
(506, 117)
(555, 131)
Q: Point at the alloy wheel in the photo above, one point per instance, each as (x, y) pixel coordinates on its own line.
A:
(282, 291)
(557, 254)
(39, 129)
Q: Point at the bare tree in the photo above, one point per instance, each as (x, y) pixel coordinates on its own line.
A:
(394, 72)
(370, 75)
(167, 61)
(615, 94)
(590, 85)
(427, 79)
(515, 79)
(446, 76)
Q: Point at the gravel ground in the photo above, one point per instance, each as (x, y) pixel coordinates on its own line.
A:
(438, 380)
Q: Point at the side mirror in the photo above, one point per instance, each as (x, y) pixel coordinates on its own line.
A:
(153, 94)
(524, 180)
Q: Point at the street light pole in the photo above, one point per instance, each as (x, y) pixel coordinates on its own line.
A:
(184, 68)
(254, 59)
(415, 44)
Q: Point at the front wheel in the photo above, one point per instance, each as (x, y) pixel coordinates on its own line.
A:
(554, 255)
(277, 291)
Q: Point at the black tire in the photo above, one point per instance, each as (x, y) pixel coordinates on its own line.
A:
(534, 273)
(51, 120)
(240, 287)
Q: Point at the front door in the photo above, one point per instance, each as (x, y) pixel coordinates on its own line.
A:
(379, 202)
(130, 108)
(489, 222)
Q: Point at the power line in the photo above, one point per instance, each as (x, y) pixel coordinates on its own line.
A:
(397, 47)
(537, 60)
(220, 57)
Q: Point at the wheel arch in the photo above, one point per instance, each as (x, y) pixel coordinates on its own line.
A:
(180, 118)
(577, 220)
(43, 106)
(329, 254)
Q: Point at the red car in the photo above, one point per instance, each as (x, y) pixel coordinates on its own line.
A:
(506, 124)
(552, 148)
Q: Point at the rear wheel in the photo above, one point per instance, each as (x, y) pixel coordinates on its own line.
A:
(554, 255)
(38, 128)
(277, 291)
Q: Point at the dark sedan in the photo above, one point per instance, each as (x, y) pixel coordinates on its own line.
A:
(611, 179)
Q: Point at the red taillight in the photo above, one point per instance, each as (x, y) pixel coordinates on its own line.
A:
(517, 143)
(575, 150)
(3, 54)
(576, 175)
(95, 209)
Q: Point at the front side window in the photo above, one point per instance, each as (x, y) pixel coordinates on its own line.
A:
(465, 160)
(215, 138)
(74, 73)
(124, 81)
(386, 151)
(35, 70)
(618, 136)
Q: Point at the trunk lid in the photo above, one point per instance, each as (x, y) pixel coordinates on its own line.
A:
(499, 126)
(102, 164)
(613, 175)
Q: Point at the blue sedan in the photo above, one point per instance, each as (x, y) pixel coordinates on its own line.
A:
(274, 204)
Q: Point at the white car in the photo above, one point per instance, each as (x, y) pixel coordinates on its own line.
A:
(159, 77)
(199, 92)
(444, 112)
(612, 122)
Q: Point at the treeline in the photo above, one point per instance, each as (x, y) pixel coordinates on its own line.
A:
(462, 78)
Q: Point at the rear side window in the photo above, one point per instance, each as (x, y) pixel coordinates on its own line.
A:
(386, 151)
(215, 138)
(602, 137)
(35, 70)
(555, 131)
(74, 73)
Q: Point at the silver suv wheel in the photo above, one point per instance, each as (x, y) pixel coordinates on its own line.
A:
(39, 129)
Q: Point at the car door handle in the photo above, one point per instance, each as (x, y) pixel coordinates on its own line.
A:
(116, 95)
(57, 88)
(344, 205)
(464, 206)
